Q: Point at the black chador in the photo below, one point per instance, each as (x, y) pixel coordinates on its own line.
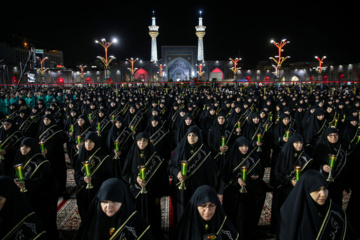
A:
(186, 122)
(17, 217)
(303, 218)
(99, 165)
(10, 138)
(53, 139)
(243, 209)
(125, 223)
(134, 119)
(147, 185)
(159, 137)
(40, 184)
(81, 128)
(314, 128)
(219, 139)
(29, 125)
(193, 226)
(329, 143)
(285, 174)
(350, 141)
(120, 136)
(200, 169)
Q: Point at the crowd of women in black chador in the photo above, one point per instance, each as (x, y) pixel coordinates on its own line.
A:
(171, 142)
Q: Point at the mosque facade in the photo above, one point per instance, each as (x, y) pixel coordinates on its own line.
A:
(179, 63)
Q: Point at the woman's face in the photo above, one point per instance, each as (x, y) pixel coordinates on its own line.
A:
(298, 145)
(132, 110)
(80, 122)
(320, 195)
(24, 150)
(354, 123)
(212, 112)
(207, 210)
(192, 138)
(47, 121)
(286, 121)
(101, 114)
(188, 121)
(154, 123)
(221, 120)
(244, 149)
(110, 208)
(142, 143)
(2, 202)
(333, 137)
(7, 125)
(320, 117)
(89, 145)
(118, 124)
(256, 120)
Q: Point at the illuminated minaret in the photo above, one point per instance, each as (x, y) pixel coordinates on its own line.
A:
(200, 33)
(154, 32)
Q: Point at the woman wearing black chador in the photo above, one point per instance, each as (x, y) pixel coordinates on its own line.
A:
(329, 144)
(145, 173)
(244, 192)
(200, 169)
(99, 166)
(291, 155)
(204, 217)
(112, 215)
(310, 213)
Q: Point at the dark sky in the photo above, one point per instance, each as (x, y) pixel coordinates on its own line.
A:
(233, 28)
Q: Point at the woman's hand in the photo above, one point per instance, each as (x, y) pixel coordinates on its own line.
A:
(141, 182)
(241, 182)
(326, 168)
(180, 177)
(44, 152)
(20, 185)
(87, 180)
(117, 153)
(224, 149)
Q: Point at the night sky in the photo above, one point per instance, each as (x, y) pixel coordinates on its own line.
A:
(233, 29)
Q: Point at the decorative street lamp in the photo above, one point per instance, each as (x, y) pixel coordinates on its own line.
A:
(132, 69)
(320, 68)
(82, 74)
(106, 61)
(200, 72)
(235, 68)
(279, 59)
(42, 70)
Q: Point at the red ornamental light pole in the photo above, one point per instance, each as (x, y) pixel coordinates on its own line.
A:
(234, 69)
(200, 72)
(105, 60)
(82, 70)
(320, 68)
(279, 61)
